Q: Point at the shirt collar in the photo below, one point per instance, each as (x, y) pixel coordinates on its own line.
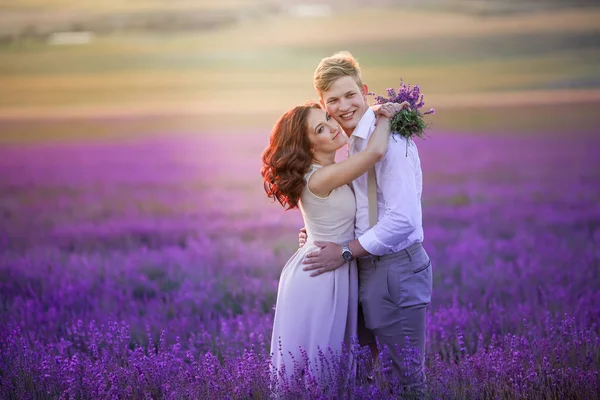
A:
(363, 128)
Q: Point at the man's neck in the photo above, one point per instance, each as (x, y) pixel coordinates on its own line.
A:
(349, 132)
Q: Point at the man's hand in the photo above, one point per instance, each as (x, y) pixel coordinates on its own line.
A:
(302, 236)
(327, 258)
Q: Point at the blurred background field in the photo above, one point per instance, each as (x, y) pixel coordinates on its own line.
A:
(130, 192)
(147, 67)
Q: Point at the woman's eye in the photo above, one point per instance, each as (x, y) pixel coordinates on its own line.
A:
(320, 129)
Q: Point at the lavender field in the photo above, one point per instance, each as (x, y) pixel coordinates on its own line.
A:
(148, 268)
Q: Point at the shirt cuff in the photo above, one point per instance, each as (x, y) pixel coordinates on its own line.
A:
(372, 244)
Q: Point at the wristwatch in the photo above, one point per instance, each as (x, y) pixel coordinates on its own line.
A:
(347, 254)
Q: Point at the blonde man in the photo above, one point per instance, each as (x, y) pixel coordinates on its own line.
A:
(395, 277)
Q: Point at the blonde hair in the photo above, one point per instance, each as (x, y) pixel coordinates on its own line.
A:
(334, 67)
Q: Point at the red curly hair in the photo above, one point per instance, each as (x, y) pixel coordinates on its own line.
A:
(288, 157)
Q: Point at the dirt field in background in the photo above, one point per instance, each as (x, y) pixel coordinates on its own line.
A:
(440, 102)
(205, 92)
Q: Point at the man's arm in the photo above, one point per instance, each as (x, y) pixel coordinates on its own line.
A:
(397, 184)
(329, 256)
(396, 181)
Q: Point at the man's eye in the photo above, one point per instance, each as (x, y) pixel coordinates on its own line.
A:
(351, 95)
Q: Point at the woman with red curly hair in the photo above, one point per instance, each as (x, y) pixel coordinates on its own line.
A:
(299, 171)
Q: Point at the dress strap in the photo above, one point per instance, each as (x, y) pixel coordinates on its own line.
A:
(313, 168)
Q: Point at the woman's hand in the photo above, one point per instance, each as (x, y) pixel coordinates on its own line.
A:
(302, 237)
(389, 110)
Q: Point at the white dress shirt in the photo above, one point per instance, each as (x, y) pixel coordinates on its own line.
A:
(399, 187)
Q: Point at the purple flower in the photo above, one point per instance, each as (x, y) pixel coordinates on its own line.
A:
(407, 123)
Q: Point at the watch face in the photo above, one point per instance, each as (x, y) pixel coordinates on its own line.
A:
(347, 255)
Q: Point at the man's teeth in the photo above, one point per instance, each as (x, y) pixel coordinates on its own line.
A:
(347, 115)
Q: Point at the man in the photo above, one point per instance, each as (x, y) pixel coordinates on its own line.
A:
(395, 277)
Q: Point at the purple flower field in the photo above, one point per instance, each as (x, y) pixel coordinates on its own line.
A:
(149, 268)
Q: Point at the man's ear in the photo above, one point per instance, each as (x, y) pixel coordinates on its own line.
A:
(322, 103)
(365, 89)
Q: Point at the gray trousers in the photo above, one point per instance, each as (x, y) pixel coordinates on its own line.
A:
(394, 291)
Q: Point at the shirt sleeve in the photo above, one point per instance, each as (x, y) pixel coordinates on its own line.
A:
(397, 184)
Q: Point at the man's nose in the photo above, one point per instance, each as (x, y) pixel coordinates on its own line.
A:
(344, 105)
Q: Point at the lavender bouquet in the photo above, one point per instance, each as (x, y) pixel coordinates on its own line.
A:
(407, 123)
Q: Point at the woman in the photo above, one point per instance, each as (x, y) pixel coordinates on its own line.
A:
(299, 171)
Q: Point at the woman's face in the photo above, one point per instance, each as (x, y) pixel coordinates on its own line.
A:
(325, 134)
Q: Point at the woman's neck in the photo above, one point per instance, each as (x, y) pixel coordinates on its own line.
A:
(324, 159)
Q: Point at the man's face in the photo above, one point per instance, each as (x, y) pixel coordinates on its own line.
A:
(346, 102)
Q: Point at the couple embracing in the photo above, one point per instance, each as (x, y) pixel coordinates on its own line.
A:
(361, 270)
